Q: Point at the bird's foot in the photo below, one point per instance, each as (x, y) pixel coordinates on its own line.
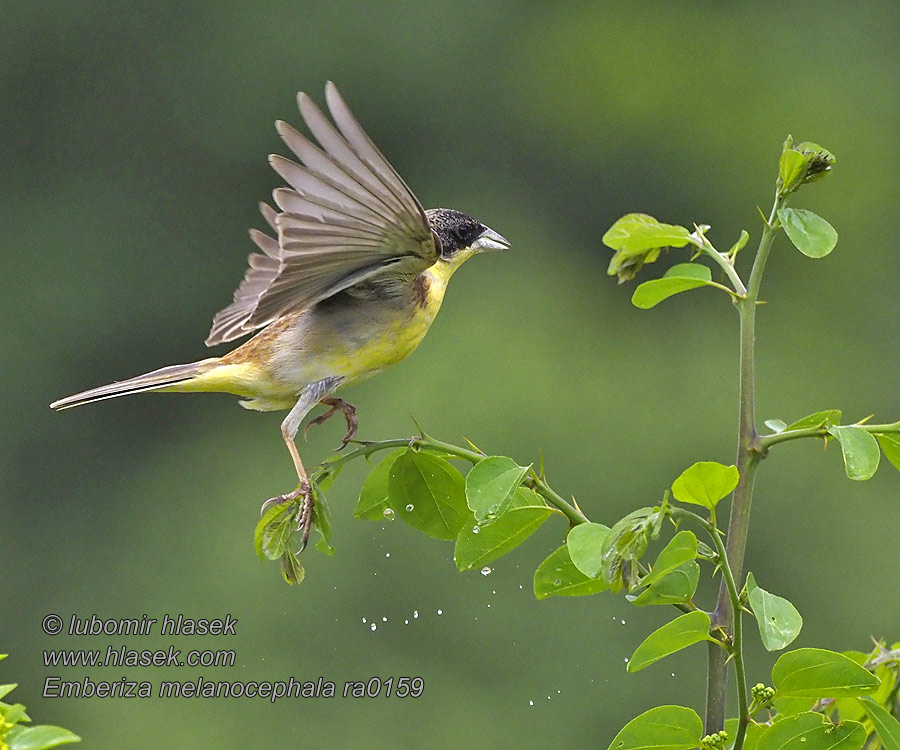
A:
(337, 404)
(307, 508)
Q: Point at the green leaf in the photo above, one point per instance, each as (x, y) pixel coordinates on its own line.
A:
(8, 688)
(860, 449)
(818, 419)
(490, 486)
(273, 532)
(791, 706)
(811, 234)
(886, 725)
(890, 446)
(586, 543)
(526, 512)
(811, 731)
(680, 549)
(776, 425)
(660, 728)
(705, 483)
(40, 737)
(634, 234)
(680, 633)
(792, 169)
(373, 496)
(625, 544)
(739, 245)
(558, 576)
(817, 673)
(428, 493)
(779, 622)
(291, 569)
(322, 520)
(677, 586)
(680, 278)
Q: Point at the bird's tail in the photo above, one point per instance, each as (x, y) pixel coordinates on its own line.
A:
(174, 378)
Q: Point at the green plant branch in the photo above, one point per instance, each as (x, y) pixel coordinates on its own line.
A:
(735, 649)
(724, 261)
(749, 454)
(534, 481)
(767, 441)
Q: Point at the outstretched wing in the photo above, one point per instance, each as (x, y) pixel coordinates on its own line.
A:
(347, 216)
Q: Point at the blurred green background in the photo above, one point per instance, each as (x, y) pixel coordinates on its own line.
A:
(134, 138)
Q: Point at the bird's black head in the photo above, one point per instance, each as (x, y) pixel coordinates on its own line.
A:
(457, 231)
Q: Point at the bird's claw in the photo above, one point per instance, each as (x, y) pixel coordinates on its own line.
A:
(337, 404)
(307, 509)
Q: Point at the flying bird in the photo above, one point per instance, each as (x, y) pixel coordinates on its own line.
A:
(347, 283)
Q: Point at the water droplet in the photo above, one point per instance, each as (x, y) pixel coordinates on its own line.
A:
(493, 592)
(364, 620)
(410, 507)
(489, 606)
(557, 582)
(626, 660)
(440, 611)
(415, 614)
(673, 674)
(384, 619)
(388, 514)
(520, 585)
(530, 703)
(486, 571)
(623, 622)
(548, 697)
(476, 528)
(406, 622)
(374, 626)
(803, 739)
(387, 554)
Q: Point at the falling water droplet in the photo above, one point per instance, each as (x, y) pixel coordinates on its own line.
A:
(374, 626)
(626, 660)
(440, 611)
(486, 571)
(406, 622)
(387, 554)
(623, 622)
(384, 619)
(530, 703)
(415, 614)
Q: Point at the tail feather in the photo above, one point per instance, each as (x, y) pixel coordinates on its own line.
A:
(164, 377)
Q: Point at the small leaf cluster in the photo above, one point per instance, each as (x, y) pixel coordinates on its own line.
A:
(488, 512)
(821, 700)
(15, 735)
(861, 444)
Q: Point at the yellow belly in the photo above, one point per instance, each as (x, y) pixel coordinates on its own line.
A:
(352, 340)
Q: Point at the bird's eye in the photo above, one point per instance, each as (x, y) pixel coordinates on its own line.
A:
(464, 232)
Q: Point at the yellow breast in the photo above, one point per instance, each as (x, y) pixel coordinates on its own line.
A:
(352, 340)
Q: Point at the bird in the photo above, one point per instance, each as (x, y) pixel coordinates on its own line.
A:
(347, 283)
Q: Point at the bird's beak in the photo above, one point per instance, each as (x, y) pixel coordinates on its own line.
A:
(491, 240)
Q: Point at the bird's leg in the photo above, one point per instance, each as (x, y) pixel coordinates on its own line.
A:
(309, 397)
(337, 404)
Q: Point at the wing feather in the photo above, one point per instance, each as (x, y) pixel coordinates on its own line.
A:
(347, 216)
